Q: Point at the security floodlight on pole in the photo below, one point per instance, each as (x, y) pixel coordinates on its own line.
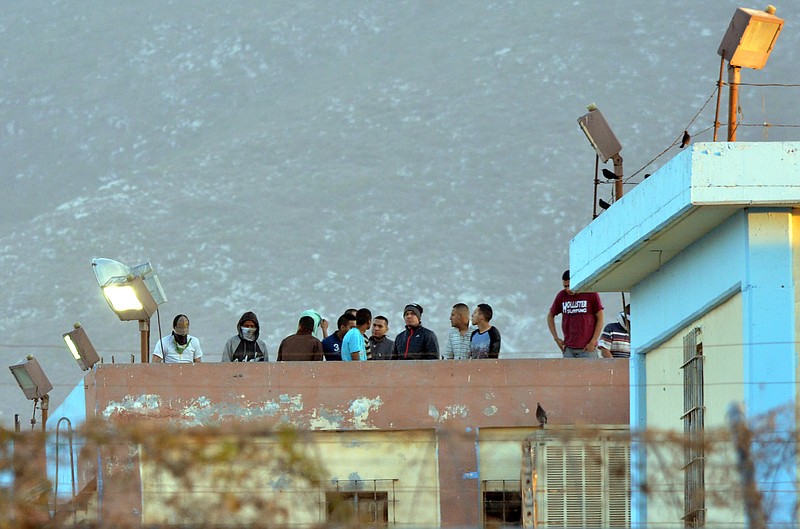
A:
(34, 384)
(133, 293)
(81, 347)
(748, 43)
(604, 141)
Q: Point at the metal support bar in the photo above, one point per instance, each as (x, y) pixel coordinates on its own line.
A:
(734, 77)
(617, 171)
(719, 94)
(144, 330)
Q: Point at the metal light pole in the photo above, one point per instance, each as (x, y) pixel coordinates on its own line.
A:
(748, 42)
(605, 144)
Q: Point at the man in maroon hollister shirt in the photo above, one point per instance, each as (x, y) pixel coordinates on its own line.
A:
(581, 321)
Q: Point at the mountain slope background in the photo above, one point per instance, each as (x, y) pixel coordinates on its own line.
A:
(279, 156)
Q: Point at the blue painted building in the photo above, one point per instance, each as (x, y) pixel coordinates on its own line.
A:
(709, 249)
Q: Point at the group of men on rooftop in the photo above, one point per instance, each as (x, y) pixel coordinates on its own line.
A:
(470, 337)
(349, 342)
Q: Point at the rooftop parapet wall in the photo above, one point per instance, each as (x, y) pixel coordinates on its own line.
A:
(688, 197)
(365, 395)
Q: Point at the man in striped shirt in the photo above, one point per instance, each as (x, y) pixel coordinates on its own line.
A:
(615, 341)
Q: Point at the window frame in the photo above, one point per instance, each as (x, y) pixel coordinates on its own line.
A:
(360, 491)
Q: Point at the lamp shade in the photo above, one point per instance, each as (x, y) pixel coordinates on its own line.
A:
(107, 269)
(599, 134)
(81, 347)
(750, 38)
(31, 378)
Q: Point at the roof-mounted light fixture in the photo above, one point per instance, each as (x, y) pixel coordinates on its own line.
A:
(605, 144)
(748, 43)
(34, 384)
(81, 347)
(133, 293)
(31, 378)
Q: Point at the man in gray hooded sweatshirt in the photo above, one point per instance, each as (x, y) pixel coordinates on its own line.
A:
(245, 346)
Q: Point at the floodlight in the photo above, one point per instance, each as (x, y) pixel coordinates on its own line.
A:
(599, 134)
(748, 42)
(113, 273)
(750, 37)
(605, 144)
(31, 379)
(81, 347)
(133, 293)
(130, 299)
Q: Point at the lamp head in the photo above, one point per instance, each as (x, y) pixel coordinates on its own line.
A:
(133, 293)
(750, 37)
(31, 378)
(81, 347)
(599, 133)
(130, 299)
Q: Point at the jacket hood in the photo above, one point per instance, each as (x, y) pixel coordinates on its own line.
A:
(248, 316)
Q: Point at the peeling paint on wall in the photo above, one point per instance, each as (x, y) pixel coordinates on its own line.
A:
(360, 409)
(140, 404)
(450, 411)
(294, 403)
(491, 410)
(287, 407)
(325, 419)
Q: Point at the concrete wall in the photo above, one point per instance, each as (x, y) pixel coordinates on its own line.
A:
(795, 238)
(723, 375)
(738, 282)
(454, 400)
(723, 371)
(402, 463)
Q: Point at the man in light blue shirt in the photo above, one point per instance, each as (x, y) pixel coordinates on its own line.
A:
(354, 343)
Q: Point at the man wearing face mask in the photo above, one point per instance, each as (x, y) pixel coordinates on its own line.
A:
(180, 346)
(245, 346)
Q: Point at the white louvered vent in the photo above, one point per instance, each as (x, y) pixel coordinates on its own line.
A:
(582, 483)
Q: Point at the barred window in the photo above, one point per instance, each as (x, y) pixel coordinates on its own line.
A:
(693, 427)
(367, 502)
(502, 502)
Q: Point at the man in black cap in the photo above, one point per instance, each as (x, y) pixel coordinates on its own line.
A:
(415, 342)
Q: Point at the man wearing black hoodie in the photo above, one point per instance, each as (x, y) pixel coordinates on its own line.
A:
(415, 342)
(245, 346)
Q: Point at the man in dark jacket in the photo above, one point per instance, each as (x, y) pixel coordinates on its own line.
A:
(246, 346)
(415, 342)
(382, 347)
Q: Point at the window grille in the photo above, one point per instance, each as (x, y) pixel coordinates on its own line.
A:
(693, 428)
(368, 502)
(502, 502)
